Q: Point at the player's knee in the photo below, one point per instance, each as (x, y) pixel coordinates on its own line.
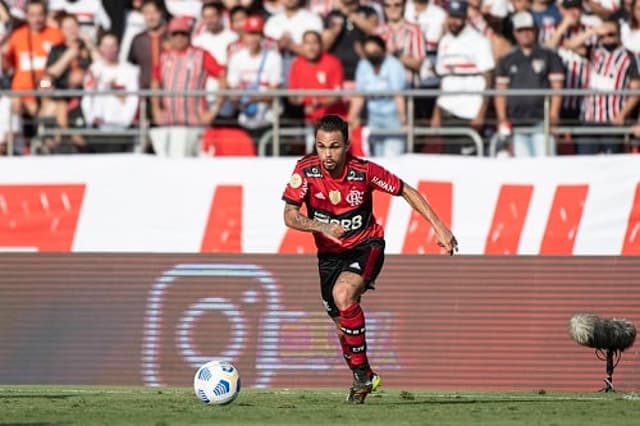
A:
(344, 296)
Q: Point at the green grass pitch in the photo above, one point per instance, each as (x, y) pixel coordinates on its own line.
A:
(92, 405)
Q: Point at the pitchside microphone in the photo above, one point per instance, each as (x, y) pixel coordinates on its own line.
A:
(612, 336)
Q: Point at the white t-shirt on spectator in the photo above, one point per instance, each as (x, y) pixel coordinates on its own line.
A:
(217, 45)
(110, 110)
(190, 8)
(499, 8)
(431, 22)
(630, 38)
(242, 72)
(461, 62)
(90, 14)
(296, 25)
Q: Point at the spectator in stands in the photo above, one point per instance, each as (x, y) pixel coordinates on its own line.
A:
(431, 19)
(272, 7)
(237, 15)
(5, 82)
(134, 24)
(547, 18)
(603, 9)
(237, 18)
(465, 63)
(380, 71)
(67, 64)
(90, 13)
(254, 68)
(507, 22)
(611, 67)
(316, 69)
(185, 8)
(404, 39)
(529, 66)
(495, 10)
(26, 54)
(571, 24)
(287, 28)
(183, 68)
(573, 43)
(110, 112)
(17, 9)
(346, 27)
(481, 22)
(147, 46)
(630, 29)
(215, 39)
(5, 21)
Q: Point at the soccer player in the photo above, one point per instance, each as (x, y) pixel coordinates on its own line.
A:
(337, 190)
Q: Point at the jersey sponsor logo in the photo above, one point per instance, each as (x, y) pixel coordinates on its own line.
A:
(305, 188)
(352, 223)
(355, 176)
(295, 181)
(335, 196)
(383, 185)
(354, 197)
(312, 172)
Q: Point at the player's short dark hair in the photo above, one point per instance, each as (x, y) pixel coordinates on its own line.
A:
(332, 123)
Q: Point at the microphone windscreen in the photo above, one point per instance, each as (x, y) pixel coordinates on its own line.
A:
(595, 332)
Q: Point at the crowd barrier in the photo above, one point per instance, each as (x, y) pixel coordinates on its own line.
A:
(571, 205)
(414, 127)
(436, 322)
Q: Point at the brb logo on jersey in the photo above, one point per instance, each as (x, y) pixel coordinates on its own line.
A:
(354, 198)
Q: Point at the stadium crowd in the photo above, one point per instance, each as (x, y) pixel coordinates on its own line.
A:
(368, 45)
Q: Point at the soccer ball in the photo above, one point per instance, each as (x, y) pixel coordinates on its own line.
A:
(217, 383)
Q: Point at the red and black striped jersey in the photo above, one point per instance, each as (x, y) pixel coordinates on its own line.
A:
(345, 200)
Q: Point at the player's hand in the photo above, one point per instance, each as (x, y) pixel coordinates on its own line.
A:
(334, 232)
(447, 241)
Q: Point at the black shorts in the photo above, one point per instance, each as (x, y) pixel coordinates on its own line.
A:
(365, 260)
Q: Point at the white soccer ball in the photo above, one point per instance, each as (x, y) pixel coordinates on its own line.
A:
(217, 383)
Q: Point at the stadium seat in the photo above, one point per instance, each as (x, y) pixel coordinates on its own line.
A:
(227, 141)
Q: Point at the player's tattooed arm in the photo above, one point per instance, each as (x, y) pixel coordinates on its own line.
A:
(293, 218)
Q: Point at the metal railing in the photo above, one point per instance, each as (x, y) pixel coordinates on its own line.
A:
(268, 138)
(496, 139)
(141, 129)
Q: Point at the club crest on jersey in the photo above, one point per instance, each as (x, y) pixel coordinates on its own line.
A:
(537, 65)
(295, 181)
(335, 196)
(354, 198)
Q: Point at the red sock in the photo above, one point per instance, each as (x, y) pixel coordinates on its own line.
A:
(346, 351)
(352, 325)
